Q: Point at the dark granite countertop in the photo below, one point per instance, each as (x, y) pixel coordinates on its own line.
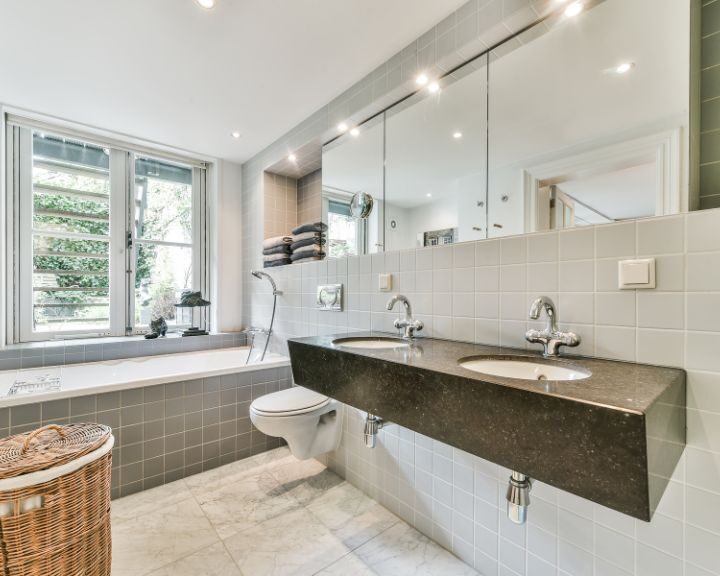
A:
(614, 384)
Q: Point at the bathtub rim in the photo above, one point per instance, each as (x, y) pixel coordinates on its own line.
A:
(274, 360)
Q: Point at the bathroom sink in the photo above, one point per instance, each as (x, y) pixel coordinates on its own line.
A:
(524, 369)
(372, 343)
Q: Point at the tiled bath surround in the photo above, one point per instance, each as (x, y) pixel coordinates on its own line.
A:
(167, 431)
(63, 352)
(481, 292)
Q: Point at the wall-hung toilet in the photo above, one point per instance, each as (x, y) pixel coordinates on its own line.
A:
(309, 422)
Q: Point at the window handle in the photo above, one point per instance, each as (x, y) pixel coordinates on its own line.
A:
(129, 240)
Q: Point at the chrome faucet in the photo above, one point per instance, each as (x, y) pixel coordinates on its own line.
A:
(551, 337)
(407, 324)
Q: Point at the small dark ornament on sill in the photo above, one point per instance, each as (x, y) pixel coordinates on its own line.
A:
(189, 299)
(158, 327)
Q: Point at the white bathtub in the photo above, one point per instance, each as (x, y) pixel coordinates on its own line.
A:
(109, 375)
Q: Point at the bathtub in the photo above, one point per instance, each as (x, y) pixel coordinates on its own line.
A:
(110, 375)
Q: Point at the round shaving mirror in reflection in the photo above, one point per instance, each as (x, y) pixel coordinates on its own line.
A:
(361, 205)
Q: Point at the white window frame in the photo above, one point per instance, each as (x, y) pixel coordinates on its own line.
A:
(19, 301)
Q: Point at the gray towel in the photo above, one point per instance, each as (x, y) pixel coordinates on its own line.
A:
(306, 236)
(276, 241)
(274, 257)
(308, 242)
(282, 249)
(305, 255)
(314, 227)
(274, 263)
(307, 259)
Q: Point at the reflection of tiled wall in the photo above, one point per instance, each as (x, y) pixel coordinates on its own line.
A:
(710, 110)
(481, 292)
(281, 205)
(59, 353)
(168, 431)
(309, 198)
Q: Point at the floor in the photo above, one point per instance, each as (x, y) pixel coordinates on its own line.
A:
(269, 515)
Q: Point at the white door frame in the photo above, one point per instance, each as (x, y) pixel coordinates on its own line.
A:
(664, 148)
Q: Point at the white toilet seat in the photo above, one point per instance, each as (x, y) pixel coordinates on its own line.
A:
(289, 402)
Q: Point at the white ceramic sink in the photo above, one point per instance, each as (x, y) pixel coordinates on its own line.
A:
(372, 343)
(524, 369)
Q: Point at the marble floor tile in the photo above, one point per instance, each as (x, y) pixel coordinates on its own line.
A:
(403, 551)
(145, 543)
(352, 516)
(148, 501)
(305, 480)
(212, 561)
(295, 543)
(244, 503)
(229, 473)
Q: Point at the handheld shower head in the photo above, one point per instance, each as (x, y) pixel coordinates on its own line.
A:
(259, 274)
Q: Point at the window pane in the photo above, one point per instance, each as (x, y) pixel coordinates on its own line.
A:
(342, 235)
(71, 194)
(163, 201)
(161, 274)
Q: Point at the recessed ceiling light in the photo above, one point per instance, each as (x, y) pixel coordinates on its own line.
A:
(207, 4)
(624, 68)
(421, 79)
(457, 135)
(433, 87)
(292, 158)
(428, 195)
(235, 134)
(574, 9)
(355, 132)
(342, 127)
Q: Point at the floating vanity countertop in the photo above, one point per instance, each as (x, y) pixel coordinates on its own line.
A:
(613, 437)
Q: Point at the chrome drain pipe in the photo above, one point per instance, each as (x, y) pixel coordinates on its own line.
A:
(518, 497)
(373, 423)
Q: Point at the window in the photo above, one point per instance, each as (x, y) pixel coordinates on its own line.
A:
(104, 239)
(346, 234)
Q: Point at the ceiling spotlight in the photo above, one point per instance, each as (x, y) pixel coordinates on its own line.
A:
(342, 127)
(428, 195)
(433, 87)
(235, 134)
(574, 9)
(292, 158)
(457, 135)
(421, 79)
(355, 132)
(624, 68)
(207, 4)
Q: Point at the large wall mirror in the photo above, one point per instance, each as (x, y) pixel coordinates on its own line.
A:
(580, 120)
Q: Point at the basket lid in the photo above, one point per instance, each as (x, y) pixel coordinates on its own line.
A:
(48, 447)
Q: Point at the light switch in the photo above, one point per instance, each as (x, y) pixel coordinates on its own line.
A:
(384, 282)
(636, 274)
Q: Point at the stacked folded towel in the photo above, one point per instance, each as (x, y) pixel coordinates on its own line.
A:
(307, 242)
(277, 251)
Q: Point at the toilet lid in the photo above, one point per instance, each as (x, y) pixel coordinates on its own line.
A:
(291, 400)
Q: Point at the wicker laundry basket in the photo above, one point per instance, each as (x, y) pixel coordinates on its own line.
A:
(55, 502)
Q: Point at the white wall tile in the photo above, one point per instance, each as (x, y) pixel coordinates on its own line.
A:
(661, 347)
(615, 240)
(660, 310)
(702, 231)
(577, 244)
(543, 247)
(577, 276)
(661, 235)
(703, 272)
(703, 311)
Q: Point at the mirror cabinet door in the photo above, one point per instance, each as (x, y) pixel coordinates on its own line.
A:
(588, 118)
(353, 190)
(435, 162)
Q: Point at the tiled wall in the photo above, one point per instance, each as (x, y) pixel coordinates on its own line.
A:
(61, 352)
(481, 292)
(309, 198)
(710, 110)
(167, 431)
(281, 204)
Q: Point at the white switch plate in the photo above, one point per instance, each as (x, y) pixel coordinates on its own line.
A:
(636, 274)
(384, 282)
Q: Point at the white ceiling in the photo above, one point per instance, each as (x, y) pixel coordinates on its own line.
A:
(173, 73)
